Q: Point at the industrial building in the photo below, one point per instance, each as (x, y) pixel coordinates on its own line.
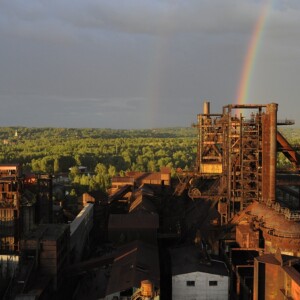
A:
(34, 252)
(276, 276)
(10, 208)
(236, 175)
(50, 245)
(227, 229)
(134, 263)
(195, 275)
(24, 201)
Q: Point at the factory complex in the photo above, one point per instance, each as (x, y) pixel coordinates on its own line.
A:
(229, 228)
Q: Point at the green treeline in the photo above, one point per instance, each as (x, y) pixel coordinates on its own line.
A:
(105, 152)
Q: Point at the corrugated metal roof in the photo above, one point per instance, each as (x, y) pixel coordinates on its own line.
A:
(135, 262)
(47, 232)
(189, 259)
(138, 176)
(141, 200)
(133, 221)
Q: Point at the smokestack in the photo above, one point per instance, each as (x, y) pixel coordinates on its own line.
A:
(272, 110)
(206, 108)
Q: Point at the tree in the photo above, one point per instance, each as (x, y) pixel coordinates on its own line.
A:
(112, 171)
(151, 167)
(46, 164)
(74, 171)
(101, 169)
(56, 166)
(35, 165)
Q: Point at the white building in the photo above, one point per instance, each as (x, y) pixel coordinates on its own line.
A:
(196, 276)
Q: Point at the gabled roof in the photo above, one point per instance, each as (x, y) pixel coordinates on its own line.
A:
(141, 200)
(135, 262)
(190, 259)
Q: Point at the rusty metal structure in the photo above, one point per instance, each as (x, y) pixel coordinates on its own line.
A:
(236, 175)
(10, 190)
(24, 202)
(236, 157)
(44, 198)
(243, 209)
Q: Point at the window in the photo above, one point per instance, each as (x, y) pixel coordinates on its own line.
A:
(190, 283)
(213, 283)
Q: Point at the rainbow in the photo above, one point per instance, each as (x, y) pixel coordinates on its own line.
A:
(249, 61)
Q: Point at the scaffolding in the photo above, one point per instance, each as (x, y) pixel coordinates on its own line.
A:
(10, 190)
(237, 150)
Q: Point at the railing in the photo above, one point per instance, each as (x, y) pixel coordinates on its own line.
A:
(285, 122)
(290, 215)
(278, 233)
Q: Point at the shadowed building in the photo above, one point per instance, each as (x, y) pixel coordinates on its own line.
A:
(123, 228)
(135, 262)
(197, 276)
(276, 276)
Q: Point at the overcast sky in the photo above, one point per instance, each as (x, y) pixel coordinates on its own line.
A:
(141, 63)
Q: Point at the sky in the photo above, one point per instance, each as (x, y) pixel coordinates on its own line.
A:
(142, 63)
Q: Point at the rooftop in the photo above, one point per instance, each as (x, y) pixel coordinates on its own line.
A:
(47, 232)
(136, 220)
(135, 262)
(189, 259)
(142, 200)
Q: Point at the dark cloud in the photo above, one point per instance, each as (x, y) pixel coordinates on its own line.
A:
(139, 63)
(133, 16)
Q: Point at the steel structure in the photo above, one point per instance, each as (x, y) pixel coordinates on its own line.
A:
(236, 173)
(236, 157)
(23, 203)
(10, 191)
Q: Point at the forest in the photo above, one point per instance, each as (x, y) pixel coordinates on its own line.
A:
(104, 152)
